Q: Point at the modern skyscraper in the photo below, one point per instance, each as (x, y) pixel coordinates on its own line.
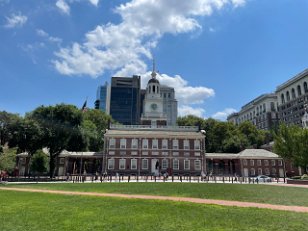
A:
(102, 97)
(170, 104)
(125, 99)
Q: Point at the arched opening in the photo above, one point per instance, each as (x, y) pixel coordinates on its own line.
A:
(288, 96)
(293, 93)
(282, 98)
(299, 90)
(305, 87)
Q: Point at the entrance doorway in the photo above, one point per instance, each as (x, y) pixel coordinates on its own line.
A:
(155, 167)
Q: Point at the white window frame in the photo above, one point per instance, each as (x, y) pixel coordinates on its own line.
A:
(134, 143)
(259, 163)
(252, 162)
(266, 163)
(123, 143)
(186, 145)
(164, 144)
(274, 171)
(134, 153)
(111, 153)
(197, 154)
(175, 153)
(133, 165)
(155, 144)
(267, 171)
(165, 153)
(197, 145)
(112, 143)
(145, 164)
(175, 144)
(280, 163)
(186, 164)
(164, 164)
(260, 171)
(252, 172)
(111, 163)
(197, 165)
(155, 153)
(145, 153)
(175, 164)
(145, 144)
(244, 162)
(273, 162)
(122, 164)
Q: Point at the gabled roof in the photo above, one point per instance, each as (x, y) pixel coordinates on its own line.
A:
(257, 153)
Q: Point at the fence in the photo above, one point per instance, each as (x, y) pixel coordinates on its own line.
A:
(145, 178)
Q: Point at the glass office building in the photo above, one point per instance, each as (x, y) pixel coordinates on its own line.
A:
(125, 100)
(101, 97)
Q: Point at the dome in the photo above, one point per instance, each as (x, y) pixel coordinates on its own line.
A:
(153, 80)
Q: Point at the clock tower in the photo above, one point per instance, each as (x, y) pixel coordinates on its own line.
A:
(153, 111)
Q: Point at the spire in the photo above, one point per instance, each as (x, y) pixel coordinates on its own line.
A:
(153, 71)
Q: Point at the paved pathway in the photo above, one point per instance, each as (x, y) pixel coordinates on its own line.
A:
(169, 198)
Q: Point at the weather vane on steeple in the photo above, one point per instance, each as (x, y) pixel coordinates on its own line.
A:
(153, 71)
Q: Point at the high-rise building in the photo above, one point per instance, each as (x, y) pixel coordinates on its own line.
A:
(102, 97)
(292, 96)
(125, 99)
(170, 104)
(262, 112)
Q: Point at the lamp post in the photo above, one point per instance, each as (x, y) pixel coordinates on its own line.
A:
(104, 155)
(203, 166)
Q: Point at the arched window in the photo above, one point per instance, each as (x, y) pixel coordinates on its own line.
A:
(282, 98)
(293, 93)
(288, 96)
(153, 89)
(305, 87)
(299, 90)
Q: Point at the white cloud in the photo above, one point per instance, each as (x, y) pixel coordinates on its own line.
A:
(94, 2)
(44, 34)
(187, 110)
(41, 33)
(238, 3)
(184, 93)
(16, 20)
(222, 115)
(122, 47)
(63, 6)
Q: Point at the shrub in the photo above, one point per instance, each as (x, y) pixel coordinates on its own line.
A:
(39, 162)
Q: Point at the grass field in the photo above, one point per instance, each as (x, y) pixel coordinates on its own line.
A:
(252, 193)
(43, 212)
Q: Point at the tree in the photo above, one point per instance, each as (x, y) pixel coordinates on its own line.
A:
(95, 122)
(291, 142)
(8, 160)
(6, 120)
(39, 162)
(27, 136)
(190, 120)
(61, 129)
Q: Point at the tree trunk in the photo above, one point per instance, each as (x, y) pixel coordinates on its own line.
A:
(51, 166)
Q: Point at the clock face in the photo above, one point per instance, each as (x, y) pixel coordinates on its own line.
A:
(154, 106)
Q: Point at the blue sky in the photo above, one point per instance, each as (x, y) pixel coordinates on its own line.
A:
(217, 54)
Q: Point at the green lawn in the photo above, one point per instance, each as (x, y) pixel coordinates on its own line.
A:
(252, 193)
(38, 211)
